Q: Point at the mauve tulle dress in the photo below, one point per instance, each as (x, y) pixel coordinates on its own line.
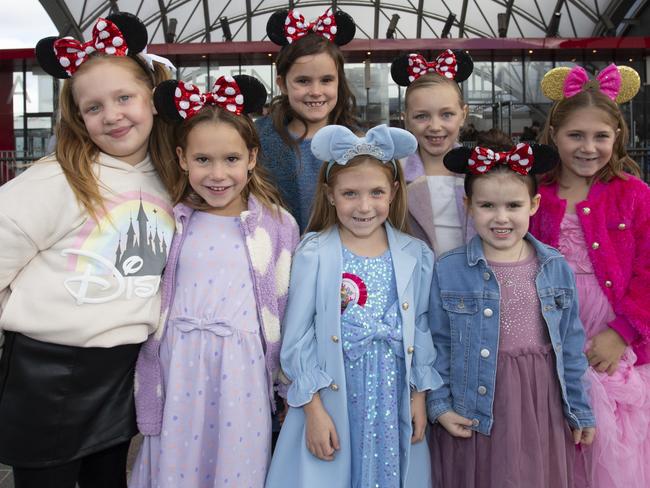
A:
(620, 454)
(530, 444)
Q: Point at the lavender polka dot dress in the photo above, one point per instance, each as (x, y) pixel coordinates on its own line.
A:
(216, 426)
(374, 370)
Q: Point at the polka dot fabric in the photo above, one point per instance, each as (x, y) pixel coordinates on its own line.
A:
(225, 93)
(444, 65)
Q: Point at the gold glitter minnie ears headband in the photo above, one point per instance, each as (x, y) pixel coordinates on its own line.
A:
(620, 83)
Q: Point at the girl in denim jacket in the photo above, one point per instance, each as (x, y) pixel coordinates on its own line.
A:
(596, 210)
(504, 318)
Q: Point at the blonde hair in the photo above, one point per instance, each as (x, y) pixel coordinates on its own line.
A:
(620, 162)
(77, 153)
(323, 215)
(259, 184)
(433, 80)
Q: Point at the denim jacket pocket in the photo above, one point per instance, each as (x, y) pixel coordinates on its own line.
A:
(462, 312)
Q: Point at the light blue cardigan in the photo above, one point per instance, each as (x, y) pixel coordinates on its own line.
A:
(312, 358)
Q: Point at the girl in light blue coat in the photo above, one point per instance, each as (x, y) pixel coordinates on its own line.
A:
(356, 346)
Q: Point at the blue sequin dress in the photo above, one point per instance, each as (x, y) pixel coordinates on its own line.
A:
(374, 369)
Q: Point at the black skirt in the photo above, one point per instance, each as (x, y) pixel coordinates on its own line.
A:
(60, 403)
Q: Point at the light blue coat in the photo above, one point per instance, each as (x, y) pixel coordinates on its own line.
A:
(312, 358)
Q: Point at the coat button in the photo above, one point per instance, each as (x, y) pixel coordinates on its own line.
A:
(486, 276)
(586, 210)
(335, 338)
(410, 349)
(405, 306)
(595, 245)
(621, 226)
(488, 312)
(334, 387)
(485, 353)
(482, 390)
(475, 422)
(608, 284)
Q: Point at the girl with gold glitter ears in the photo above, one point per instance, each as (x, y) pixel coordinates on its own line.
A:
(596, 210)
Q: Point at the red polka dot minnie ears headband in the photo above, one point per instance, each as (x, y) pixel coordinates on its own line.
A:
(620, 83)
(286, 26)
(524, 159)
(455, 65)
(119, 34)
(337, 144)
(177, 100)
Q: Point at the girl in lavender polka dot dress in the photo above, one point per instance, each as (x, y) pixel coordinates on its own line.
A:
(204, 379)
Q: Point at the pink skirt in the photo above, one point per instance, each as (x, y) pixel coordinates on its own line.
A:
(530, 443)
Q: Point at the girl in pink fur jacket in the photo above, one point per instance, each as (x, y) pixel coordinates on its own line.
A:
(598, 214)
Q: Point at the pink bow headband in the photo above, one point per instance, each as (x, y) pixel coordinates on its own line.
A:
(618, 83)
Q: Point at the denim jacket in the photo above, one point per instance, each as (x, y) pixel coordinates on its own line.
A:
(464, 319)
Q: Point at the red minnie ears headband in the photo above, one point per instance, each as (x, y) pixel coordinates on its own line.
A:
(177, 100)
(456, 65)
(287, 26)
(524, 159)
(118, 34)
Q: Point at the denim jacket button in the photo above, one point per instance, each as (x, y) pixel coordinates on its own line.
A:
(335, 338)
(482, 390)
(405, 306)
(486, 276)
(334, 387)
(410, 349)
(475, 422)
(488, 312)
(485, 353)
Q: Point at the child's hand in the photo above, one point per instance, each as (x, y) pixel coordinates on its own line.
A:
(418, 415)
(455, 424)
(584, 436)
(605, 351)
(320, 433)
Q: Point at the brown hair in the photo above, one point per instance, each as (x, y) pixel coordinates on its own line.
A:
(620, 162)
(433, 80)
(344, 112)
(498, 140)
(77, 153)
(323, 214)
(259, 183)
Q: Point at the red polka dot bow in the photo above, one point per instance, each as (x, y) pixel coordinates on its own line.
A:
(225, 93)
(295, 26)
(444, 65)
(520, 159)
(106, 39)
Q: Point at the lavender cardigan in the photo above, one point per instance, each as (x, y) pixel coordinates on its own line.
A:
(615, 220)
(270, 242)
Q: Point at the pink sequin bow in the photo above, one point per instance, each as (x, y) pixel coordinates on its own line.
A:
(609, 81)
(295, 26)
(106, 39)
(444, 65)
(225, 93)
(519, 159)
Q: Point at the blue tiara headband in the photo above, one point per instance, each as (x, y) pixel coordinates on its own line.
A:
(338, 145)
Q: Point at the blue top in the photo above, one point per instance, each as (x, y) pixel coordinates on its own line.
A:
(464, 318)
(296, 179)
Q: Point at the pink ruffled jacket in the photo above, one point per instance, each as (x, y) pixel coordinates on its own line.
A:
(615, 221)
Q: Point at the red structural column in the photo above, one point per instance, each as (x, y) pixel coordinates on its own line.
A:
(7, 141)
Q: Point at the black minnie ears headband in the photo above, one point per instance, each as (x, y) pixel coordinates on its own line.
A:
(119, 34)
(177, 100)
(287, 26)
(524, 159)
(456, 65)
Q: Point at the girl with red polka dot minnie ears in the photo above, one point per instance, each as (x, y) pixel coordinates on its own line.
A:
(81, 277)
(314, 93)
(434, 114)
(215, 357)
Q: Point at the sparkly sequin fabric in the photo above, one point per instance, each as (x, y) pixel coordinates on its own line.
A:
(374, 373)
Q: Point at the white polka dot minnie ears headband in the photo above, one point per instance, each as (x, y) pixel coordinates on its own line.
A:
(119, 34)
(619, 83)
(337, 144)
(523, 159)
(286, 26)
(177, 100)
(456, 65)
